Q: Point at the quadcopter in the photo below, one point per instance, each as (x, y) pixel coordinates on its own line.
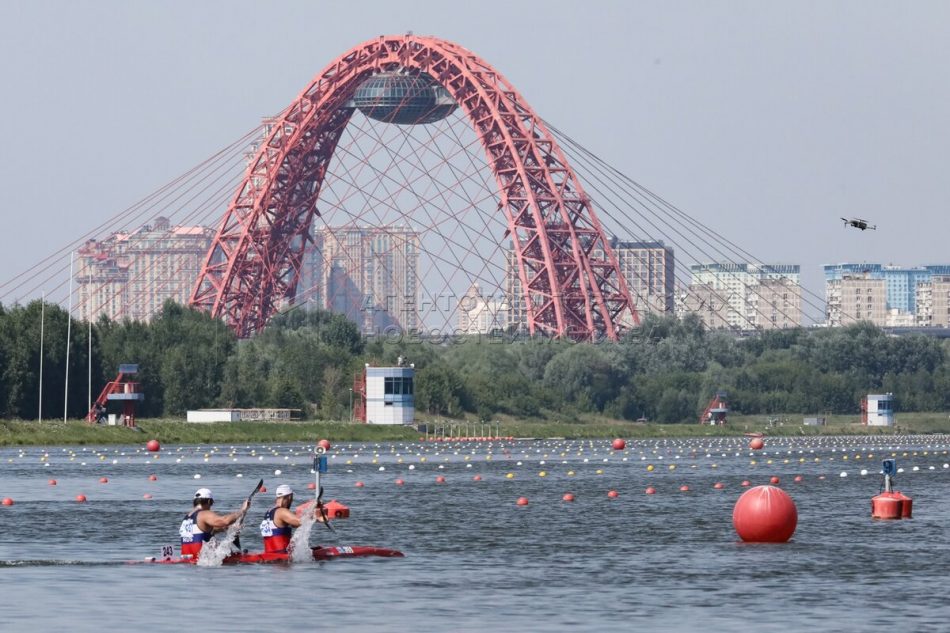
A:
(858, 223)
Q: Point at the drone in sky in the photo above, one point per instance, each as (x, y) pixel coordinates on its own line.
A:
(858, 223)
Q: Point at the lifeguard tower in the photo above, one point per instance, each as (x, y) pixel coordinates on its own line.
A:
(123, 390)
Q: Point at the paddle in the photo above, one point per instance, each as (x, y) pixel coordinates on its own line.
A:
(323, 511)
(240, 521)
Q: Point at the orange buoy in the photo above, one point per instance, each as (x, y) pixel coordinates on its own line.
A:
(745, 483)
(153, 446)
(887, 505)
(324, 444)
(619, 444)
(359, 484)
(765, 514)
(522, 501)
(907, 505)
(650, 490)
(774, 480)
(81, 498)
(613, 494)
(568, 497)
(440, 479)
(152, 478)
(798, 479)
(103, 480)
(684, 488)
(336, 510)
(7, 501)
(477, 478)
(756, 444)
(52, 482)
(719, 485)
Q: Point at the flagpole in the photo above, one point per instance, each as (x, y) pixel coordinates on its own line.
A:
(69, 329)
(42, 323)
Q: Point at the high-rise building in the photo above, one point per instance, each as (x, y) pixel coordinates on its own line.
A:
(647, 267)
(854, 298)
(900, 281)
(743, 296)
(933, 302)
(130, 275)
(478, 314)
(370, 274)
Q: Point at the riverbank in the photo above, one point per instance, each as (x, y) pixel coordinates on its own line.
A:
(54, 433)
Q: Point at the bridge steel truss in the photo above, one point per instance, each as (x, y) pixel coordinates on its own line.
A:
(573, 287)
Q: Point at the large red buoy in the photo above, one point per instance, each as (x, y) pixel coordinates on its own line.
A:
(81, 498)
(619, 444)
(756, 444)
(887, 505)
(7, 501)
(765, 514)
(324, 444)
(153, 446)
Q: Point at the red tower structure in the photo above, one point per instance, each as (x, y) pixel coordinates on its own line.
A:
(572, 285)
(715, 412)
(123, 390)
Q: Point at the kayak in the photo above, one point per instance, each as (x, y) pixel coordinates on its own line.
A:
(319, 553)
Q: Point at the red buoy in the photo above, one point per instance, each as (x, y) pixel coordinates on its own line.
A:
(798, 479)
(399, 482)
(774, 480)
(358, 484)
(765, 514)
(440, 479)
(153, 446)
(756, 444)
(887, 505)
(613, 494)
(719, 485)
(568, 497)
(311, 486)
(146, 496)
(745, 483)
(619, 444)
(152, 478)
(650, 490)
(684, 488)
(522, 501)
(81, 498)
(336, 510)
(324, 444)
(477, 478)
(103, 480)
(52, 482)
(7, 501)
(263, 489)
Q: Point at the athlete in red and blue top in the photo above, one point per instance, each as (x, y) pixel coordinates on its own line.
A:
(196, 528)
(279, 522)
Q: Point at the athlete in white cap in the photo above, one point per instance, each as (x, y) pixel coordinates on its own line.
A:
(197, 527)
(279, 522)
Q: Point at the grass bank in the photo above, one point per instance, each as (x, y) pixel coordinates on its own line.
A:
(54, 433)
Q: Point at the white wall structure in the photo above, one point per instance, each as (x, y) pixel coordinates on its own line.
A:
(880, 409)
(390, 395)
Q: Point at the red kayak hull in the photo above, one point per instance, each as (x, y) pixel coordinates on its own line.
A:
(319, 553)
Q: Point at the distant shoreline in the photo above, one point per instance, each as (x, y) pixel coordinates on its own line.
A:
(172, 432)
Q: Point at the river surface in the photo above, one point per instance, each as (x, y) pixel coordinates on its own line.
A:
(476, 561)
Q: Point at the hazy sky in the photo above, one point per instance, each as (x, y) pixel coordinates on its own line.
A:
(767, 120)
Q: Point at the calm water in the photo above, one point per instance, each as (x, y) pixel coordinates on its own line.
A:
(474, 560)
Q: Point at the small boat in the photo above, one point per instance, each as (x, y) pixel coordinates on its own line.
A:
(319, 553)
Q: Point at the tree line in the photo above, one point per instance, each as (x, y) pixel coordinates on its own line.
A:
(664, 371)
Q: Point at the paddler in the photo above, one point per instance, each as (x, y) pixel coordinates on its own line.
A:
(279, 522)
(197, 527)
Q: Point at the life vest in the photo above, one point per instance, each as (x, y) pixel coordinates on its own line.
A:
(192, 538)
(276, 539)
